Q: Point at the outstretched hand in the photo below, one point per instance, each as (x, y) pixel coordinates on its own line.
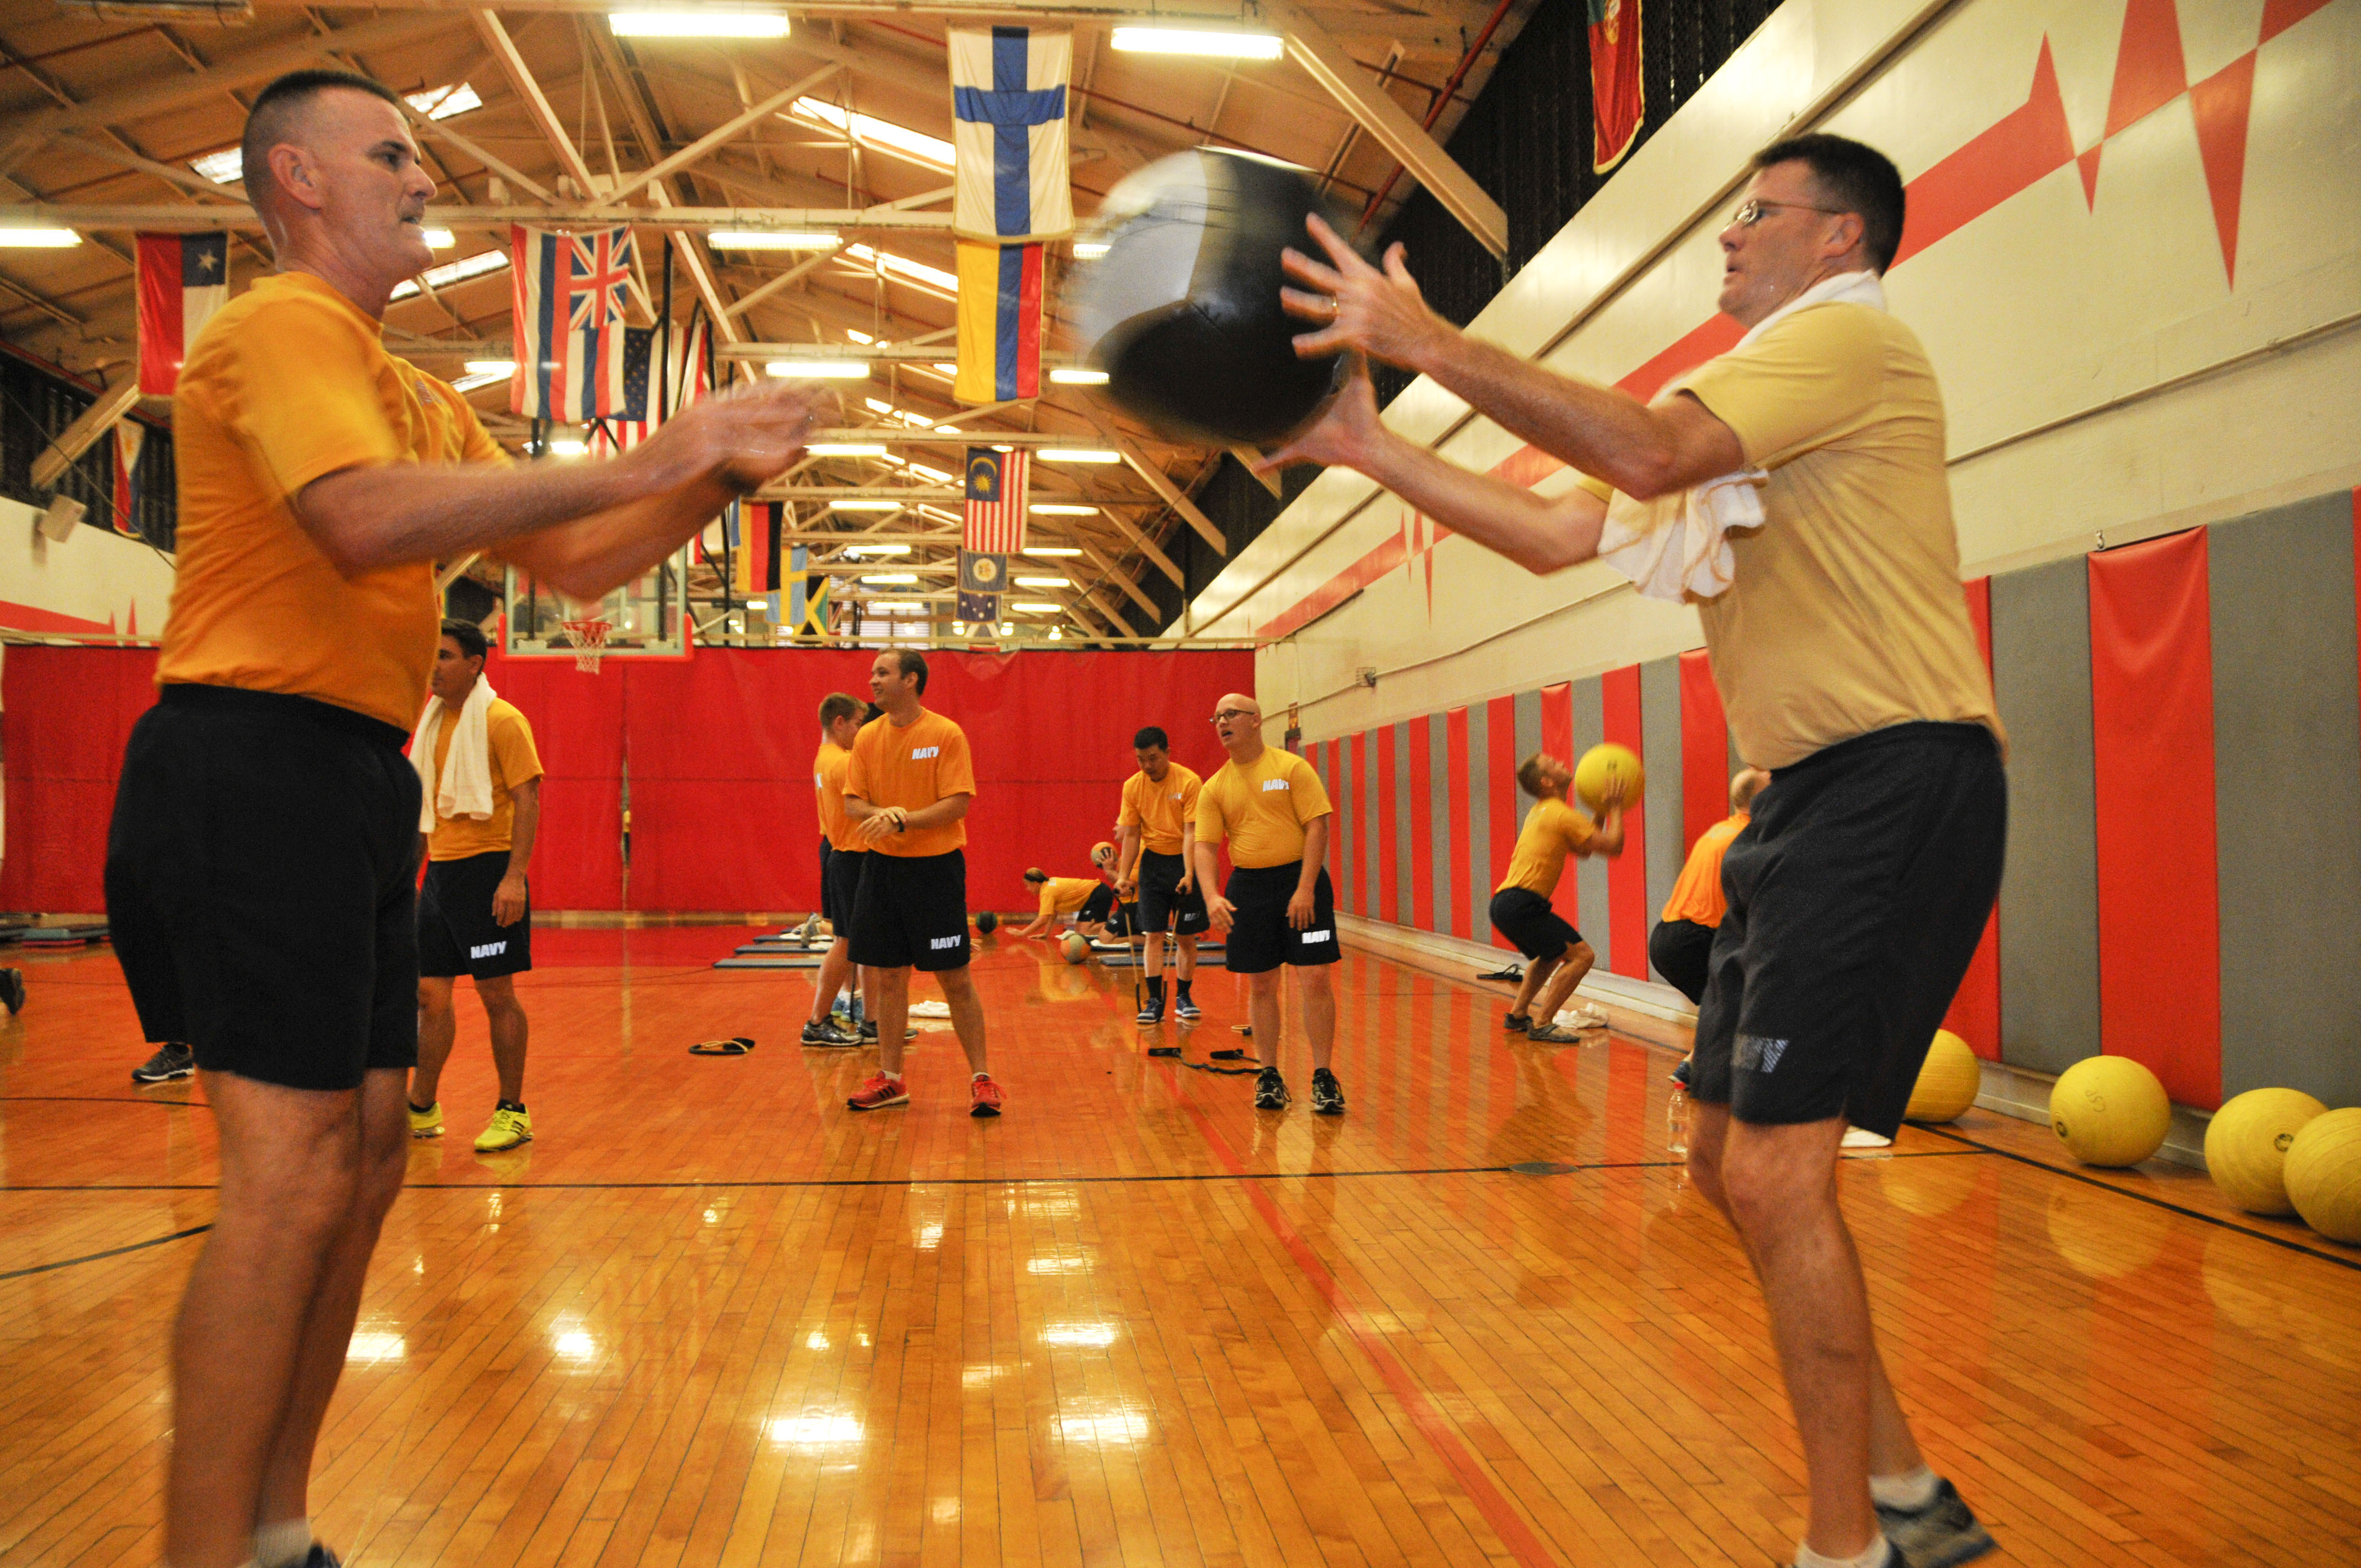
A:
(741, 438)
(1346, 433)
(1358, 306)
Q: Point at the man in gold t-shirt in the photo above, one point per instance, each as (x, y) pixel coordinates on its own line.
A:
(261, 865)
(1521, 907)
(1156, 824)
(1844, 656)
(1277, 908)
(1684, 934)
(475, 911)
(842, 857)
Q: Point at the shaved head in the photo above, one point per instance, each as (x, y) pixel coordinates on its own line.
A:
(1240, 701)
(282, 116)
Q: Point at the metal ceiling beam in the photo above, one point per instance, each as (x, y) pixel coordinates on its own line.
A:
(1098, 558)
(719, 135)
(106, 216)
(1173, 496)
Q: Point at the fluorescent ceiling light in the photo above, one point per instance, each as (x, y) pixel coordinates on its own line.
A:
(770, 239)
(1048, 550)
(937, 475)
(819, 370)
(1060, 509)
(889, 577)
(480, 378)
(1056, 635)
(1173, 41)
(567, 448)
(1037, 607)
(222, 168)
(699, 22)
(1075, 375)
(858, 336)
(947, 430)
(1090, 249)
(1008, 629)
(883, 134)
(452, 272)
(491, 366)
(1040, 582)
(441, 103)
(844, 449)
(439, 239)
(1075, 455)
(911, 271)
(877, 550)
(872, 506)
(39, 239)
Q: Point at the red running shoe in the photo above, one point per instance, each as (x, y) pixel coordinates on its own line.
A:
(879, 1092)
(987, 1097)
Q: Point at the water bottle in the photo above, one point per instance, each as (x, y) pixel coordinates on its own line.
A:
(1677, 1122)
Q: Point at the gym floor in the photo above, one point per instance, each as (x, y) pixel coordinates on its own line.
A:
(711, 1316)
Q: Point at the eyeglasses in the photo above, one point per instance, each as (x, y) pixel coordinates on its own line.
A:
(1230, 713)
(1752, 212)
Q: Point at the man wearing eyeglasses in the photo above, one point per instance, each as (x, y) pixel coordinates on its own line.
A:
(1842, 649)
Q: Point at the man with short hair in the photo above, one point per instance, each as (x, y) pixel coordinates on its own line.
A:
(1060, 897)
(262, 863)
(1158, 823)
(1842, 649)
(1683, 938)
(1521, 908)
(842, 856)
(475, 911)
(907, 788)
(1277, 908)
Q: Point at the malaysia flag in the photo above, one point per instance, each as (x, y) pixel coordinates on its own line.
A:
(995, 500)
(184, 280)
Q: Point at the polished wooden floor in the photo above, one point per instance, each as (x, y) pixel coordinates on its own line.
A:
(710, 1317)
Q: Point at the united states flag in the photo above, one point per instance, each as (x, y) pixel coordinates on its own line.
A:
(687, 374)
(995, 500)
(567, 305)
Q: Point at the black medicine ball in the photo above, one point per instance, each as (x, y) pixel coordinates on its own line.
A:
(1182, 311)
(986, 921)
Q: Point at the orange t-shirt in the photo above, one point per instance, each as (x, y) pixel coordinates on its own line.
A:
(827, 781)
(287, 384)
(1162, 812)
(1697, 896)
(912, 769)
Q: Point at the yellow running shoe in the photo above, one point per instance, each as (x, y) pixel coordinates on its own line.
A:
(426, 1124)
(510, 1126)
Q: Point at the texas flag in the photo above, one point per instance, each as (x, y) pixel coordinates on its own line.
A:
(184, 280)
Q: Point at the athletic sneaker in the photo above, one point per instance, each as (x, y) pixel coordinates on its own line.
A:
(1271, 1091)
(170, 1062)
(1940, 1535)
(1327, 1094)
(1553, 1035)
(511, 1128)
(1862, 1138)
(321, 1557)
(1186, 1010)
(869, 1031)
(1517, 1023)
(986, 1095)
(879, 1092)
(1152, 1011)
(825, 1032)
(12, 990)
(426, 1124)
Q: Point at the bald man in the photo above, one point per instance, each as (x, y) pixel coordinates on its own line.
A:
(1277, 908)
(262, 865)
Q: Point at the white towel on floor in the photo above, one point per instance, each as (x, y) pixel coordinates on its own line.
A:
(1677, 545)
(466, 787)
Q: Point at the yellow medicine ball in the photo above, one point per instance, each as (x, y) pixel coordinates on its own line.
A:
(2324, 1174)
(1947, 1082)
(1076, 947)
(2246, 1144)
(2110, 1110)
(1600, 766)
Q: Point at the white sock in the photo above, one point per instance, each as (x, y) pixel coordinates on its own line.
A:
(1910, 1491)
(282, 1544)
(1879, 1555)
(980, 1075)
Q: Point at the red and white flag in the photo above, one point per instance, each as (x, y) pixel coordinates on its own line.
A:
(685, 373)
(184, 280)
(995, 500)
(567, 309)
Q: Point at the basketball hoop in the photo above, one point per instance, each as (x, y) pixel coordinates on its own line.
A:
(589, 642)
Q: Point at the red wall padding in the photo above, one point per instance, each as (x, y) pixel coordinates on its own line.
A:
(1382, 801)
(1629, 913)
(2152, 724)
(69, 711)
(577, 727)
(1462, 841)
(1500, 781)
(1422, 822)
(1975, 1011)
(1705, 749)
(1357, 770)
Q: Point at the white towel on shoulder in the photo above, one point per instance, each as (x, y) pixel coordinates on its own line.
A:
(466, 787)
(1677, 545)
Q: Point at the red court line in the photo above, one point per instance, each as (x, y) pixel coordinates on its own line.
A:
(1497, 1511)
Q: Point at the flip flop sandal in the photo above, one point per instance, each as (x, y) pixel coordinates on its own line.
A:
(1164, 1050)
(737, 1045)
(1228, 1056)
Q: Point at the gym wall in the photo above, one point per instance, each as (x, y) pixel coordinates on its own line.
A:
(717, 751)
(2135, 257)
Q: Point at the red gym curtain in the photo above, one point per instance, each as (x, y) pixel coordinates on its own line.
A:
(1705, 749)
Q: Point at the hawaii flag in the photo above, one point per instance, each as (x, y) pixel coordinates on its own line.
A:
(1008, 133)
(1617, 99)
(184, 280)
(567, 300)
(999, 322)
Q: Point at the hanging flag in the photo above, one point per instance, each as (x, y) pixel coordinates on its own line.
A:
(999, 322)
(184, 280)
(690, 377)
(806, 595)
(1008, 133)
(995, 500)
(566, 294)
(130, 436)
(757, 562)
(1618, 100)
(982, 576)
